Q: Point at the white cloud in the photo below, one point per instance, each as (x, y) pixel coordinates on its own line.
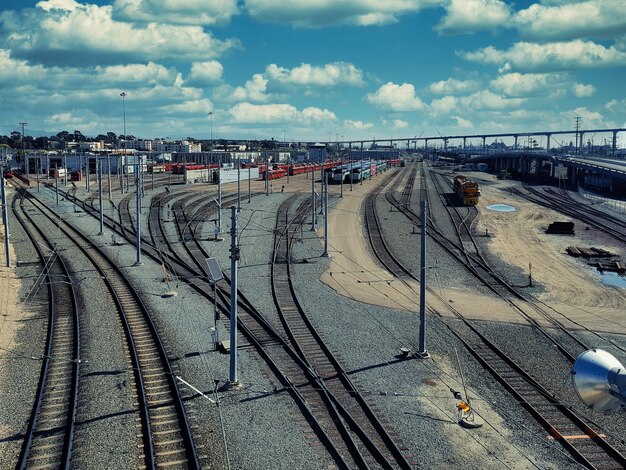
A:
(452, 86)
(189, 12)
(358, 125)
(12, 70)
(201, 106)
(468, 16)
(583, 91)
(530, 84)
(590, 119)
(462, 122)
(399, 123)
(328, 75)
(321, 13)
(444, 105)
(591, 18)
(205, 73)
(550, 56)
(139, 74)
(253, 90)
(486, 99)
(66, 32)
(247, 113)
(396, 97)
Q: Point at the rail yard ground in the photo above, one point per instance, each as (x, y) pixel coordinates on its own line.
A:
(364, 314)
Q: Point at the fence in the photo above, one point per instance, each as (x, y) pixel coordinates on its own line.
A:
(613, 204)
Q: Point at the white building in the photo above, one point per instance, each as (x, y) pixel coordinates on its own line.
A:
(138, 144)
(178, 147)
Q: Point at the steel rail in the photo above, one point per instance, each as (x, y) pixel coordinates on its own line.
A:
(49, 436)
(160, 402)
(586, 448)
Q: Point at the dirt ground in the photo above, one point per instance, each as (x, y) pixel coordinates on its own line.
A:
(573, 290)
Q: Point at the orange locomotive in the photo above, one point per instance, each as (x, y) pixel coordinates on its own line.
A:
(466, 190)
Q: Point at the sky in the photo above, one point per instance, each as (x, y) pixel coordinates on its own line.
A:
(318, 70)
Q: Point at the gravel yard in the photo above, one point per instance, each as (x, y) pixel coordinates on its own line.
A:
(362, 313)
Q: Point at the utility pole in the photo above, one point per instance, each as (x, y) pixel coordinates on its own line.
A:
(5, 220)
(26, 168)
(234, 259)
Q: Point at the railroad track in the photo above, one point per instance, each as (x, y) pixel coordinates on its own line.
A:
(292, 372)
(49, 437)
(585, 444)
(478, 267)
(166, 436)
(604, 222)
(369, 444)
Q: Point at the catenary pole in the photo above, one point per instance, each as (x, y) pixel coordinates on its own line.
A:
(423, 353)
(99, 168)
(267, 174)
(219, 199)
(138, 215)
(238, 184)
(234, 258)
(5, 220)
(249, 183)
(325, 203)
(313, 198)
(108, 174)
(56, 181)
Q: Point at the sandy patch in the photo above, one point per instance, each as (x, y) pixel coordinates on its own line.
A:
(572, 288)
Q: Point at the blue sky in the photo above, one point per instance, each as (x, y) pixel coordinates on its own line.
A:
(312, 69)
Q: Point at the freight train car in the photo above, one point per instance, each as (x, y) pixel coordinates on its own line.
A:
(156, 168)
(273, 174)
(467, 191)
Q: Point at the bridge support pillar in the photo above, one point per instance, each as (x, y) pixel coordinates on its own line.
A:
(425, 144)
(614, 141)
(515, 144)
(464, 143)
(445, 143)
(580, 147)
(548, 142)
(484, 143)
